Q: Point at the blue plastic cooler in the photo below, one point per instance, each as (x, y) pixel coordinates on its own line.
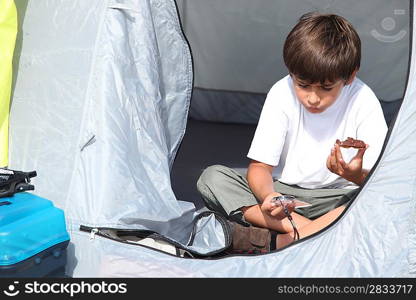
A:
(33, 237)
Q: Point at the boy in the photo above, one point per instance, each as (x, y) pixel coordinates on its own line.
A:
(320, 101)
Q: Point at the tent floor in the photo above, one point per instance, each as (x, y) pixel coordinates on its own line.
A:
(205, 144)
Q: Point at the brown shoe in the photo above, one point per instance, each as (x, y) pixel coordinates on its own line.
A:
(251, 239)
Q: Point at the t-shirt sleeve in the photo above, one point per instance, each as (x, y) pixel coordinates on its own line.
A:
(372, 128)
(270, 134)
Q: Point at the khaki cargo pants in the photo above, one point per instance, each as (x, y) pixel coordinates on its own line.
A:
(226, 191)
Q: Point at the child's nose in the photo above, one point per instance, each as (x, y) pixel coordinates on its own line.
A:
(313, 99)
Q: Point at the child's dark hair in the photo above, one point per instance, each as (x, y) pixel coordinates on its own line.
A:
(322, 48)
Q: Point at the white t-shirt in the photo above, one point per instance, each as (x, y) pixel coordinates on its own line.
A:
(298, 142)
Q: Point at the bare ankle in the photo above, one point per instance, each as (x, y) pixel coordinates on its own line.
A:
(284, 239)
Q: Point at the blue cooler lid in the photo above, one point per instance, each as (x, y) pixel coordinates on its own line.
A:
(29, 224)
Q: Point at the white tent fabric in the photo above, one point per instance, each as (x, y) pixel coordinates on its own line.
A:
(99, 109)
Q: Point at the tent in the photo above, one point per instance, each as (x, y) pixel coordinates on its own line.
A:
(104, 91)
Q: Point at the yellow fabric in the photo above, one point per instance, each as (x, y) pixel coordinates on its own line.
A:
(8, 31)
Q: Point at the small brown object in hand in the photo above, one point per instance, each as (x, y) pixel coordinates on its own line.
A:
(351, 143)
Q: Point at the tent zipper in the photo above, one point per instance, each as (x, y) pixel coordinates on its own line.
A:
(107, 233)
(92, 233)
(113, 234)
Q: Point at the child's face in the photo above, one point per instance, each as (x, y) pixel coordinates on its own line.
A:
(317, 97)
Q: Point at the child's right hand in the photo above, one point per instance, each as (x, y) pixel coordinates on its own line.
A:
(352, 171)
(270, 208)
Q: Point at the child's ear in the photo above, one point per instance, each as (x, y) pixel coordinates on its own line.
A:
(352, 77)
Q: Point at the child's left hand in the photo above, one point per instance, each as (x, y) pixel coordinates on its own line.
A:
(351, 171)
(273, 210)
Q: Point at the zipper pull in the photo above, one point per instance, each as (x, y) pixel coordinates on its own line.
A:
(93, 232)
